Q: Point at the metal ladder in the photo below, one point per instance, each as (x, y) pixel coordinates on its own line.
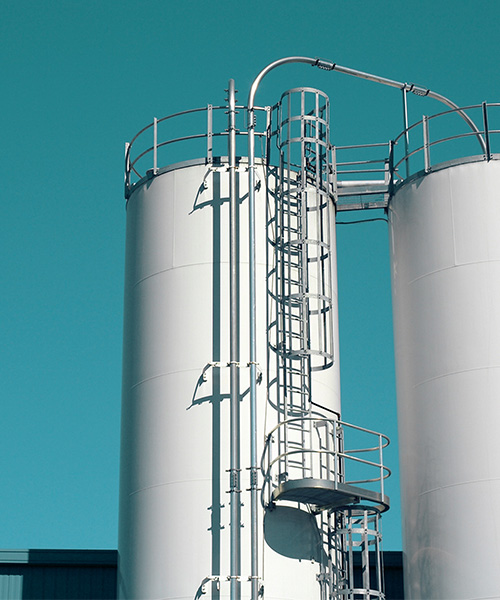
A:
(303, 337)
(300, 336)
(292, 320)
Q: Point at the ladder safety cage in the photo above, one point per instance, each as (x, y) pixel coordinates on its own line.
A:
(300, 322)
(356, 537)
(351, 538)
(302, 236)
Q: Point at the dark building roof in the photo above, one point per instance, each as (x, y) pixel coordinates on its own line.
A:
(91, 574)
(58, 574)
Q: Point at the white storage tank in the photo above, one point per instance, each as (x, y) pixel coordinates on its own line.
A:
(219, 494)
(445, 250)
(174, 510)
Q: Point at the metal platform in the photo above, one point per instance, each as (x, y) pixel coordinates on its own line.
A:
(329, 494)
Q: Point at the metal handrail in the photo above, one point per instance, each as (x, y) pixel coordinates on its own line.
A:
(447, 112)
(393, 175)
(338, 453)
(379, 165)
(336, 457)
(362, 162)
(424, 124)
(357, 171)
(441, 140)
(173, 115)
(353, 146)
(336, 422)
(131, 161)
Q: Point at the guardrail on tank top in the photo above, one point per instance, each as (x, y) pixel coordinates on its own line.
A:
(150, 149)
(365, 175)
(443, 137)
(420, 148)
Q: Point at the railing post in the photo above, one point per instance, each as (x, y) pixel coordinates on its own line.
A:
(270, 458)
(407, 133)
(486, 131)
(209, 135)
(427, 154)
(328, 434)
(268, 120)
(127, 169)
(390, 183)
(381, 461)
(155, 146)
(333, 181)
(336, 457)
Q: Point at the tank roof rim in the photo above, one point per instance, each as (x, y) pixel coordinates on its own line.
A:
(440, 167)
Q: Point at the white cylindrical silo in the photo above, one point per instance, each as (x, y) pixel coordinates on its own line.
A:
(174, 507)
(445, 250)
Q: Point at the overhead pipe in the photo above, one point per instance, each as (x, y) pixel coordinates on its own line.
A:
(408, 87)
(331, 66)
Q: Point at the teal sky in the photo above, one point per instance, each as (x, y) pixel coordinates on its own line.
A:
(80, 78)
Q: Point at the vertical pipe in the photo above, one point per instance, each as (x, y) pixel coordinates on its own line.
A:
(235, 503)
(253, 352)
(217, 401)
(155, 145)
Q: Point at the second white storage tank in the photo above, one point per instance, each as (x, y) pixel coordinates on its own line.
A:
(445, 247)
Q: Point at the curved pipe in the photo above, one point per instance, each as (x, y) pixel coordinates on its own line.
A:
(270, 67)
(331, 66)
